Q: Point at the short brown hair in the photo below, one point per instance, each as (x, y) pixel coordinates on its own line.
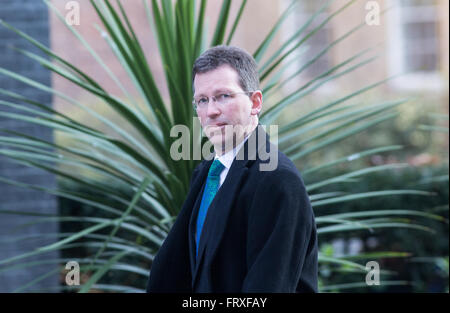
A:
(239, 59)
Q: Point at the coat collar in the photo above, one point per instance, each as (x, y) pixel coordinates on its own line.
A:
(228, 158)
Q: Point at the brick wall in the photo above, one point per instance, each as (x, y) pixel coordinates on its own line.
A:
(249, 35)
(30, 16)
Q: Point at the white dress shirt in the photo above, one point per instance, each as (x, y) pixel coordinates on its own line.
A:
(227, 159)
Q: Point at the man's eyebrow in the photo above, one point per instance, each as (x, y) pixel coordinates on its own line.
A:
(221, 90)
(215, 92)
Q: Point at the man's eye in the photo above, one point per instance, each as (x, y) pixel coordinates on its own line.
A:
(223, 96)
(202, 100)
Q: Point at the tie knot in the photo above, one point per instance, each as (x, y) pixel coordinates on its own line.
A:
(216, 168)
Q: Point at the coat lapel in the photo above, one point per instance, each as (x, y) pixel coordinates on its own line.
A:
(222, 204)
(197, 190)
(170, 266)
(192, 229)
(218, 211)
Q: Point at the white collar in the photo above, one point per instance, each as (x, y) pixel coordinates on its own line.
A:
(227, 158)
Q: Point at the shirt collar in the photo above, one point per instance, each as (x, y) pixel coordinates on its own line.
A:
(227, 158)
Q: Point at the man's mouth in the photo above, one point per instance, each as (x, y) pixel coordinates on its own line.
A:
(218, 125)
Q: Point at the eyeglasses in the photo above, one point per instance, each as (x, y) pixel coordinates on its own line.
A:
(221, 98)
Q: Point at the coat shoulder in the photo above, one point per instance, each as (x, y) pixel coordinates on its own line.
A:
(285, 171)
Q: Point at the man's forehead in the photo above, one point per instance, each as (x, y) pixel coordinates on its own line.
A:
(223, 78)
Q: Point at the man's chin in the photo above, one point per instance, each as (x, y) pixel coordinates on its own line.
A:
(223, 145)
(217, 141)
(225, 138)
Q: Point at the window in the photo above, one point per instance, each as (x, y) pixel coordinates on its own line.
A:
(414, 43)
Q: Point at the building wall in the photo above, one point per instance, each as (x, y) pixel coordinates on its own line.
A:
(66, 45)
(257, 20)
(444, 35)
(31, 17)
(368, 37)
(255, 23)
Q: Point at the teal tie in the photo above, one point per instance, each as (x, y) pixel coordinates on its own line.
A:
(212, 185)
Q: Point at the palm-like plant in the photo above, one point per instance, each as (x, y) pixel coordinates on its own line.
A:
(147, 187)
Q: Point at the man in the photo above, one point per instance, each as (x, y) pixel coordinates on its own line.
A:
(241, 228)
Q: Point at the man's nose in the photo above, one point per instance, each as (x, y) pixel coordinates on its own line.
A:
(212, 108)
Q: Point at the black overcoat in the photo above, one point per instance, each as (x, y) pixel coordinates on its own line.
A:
(259, 234)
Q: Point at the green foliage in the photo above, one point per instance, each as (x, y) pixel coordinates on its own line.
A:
(133, 187)
(408, 264)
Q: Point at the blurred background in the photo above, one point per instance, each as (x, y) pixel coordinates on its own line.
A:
(410, 40)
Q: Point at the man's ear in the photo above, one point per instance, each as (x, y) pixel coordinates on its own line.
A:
(257, 100)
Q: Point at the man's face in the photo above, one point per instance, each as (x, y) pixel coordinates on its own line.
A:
(240, 110)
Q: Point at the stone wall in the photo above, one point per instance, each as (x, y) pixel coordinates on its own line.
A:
(31, 17)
